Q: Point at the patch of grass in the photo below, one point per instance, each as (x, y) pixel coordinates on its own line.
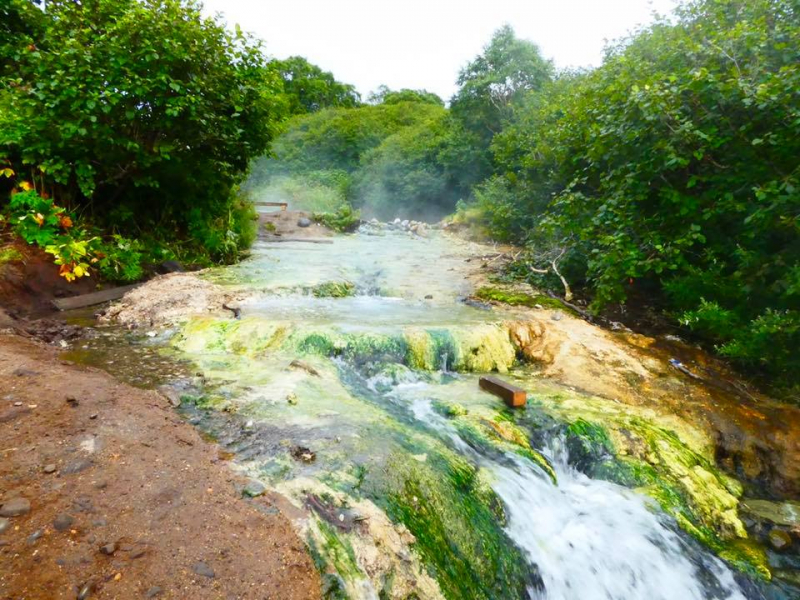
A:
(10, 254)
(334, 289)
(495, 294)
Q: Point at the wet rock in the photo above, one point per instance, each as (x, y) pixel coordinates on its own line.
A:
(291, 398)
(203, 569)
(303, 454)
(779, 513)
(5, 525)
(303, 222)
(779, 539)
(428, 297)
(15, 507)
(51, 468)
(63, 522)
(153, 592)
(108, 549)
(254, 489)
(170, 266)
(76, 466)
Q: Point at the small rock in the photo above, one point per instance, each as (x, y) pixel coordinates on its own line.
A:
(51, 468)
(291, 398)
(108, 549)
(5, 524)
(779, 539)
(17, 403)
(138, 553)
(303, 222)
(101, 485)
(557, 316)
(203, 569)
(538, 306)
(93, 416)
(16, 507)
(72, 401)
(303, 454)
(99, 522)
(63, 522)
(153, 592)
(429, 297)
(254, 489)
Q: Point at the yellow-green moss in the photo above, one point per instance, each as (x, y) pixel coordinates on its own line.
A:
(516, 298)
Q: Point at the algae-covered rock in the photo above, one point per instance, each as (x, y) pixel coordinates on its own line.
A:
(250, 336)
(334, 289)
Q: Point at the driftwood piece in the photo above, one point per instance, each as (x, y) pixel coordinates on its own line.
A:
(93, 298)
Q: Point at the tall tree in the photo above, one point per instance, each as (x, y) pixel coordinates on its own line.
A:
(310, 89)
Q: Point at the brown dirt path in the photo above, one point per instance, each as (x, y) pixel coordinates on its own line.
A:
(136, 499)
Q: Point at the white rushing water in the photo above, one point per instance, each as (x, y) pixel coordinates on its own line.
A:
(590, 539)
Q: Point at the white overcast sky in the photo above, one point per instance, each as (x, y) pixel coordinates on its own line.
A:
(423, 43)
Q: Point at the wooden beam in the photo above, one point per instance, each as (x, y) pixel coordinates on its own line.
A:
(283, 205)
(513, 396)
(93, 298)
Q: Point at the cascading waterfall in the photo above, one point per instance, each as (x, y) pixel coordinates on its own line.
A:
(589, 539)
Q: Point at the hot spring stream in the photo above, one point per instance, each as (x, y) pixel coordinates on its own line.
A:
(416, 484)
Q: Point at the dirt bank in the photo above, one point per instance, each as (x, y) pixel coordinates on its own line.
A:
(285, 223)
(115, 496)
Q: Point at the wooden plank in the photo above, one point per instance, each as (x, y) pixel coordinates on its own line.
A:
(512, 395)
(291, 239)
(283, 205)
(93, 298)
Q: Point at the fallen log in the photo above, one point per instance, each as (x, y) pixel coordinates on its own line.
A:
(287, 239)
(513, 396)
(283, 205)
(93, 298)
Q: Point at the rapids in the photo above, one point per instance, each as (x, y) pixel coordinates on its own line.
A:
(413, 482)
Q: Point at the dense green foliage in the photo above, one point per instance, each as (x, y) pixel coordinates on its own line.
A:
(385, 158)
(141, 117)
(309, 88)
(671, 172)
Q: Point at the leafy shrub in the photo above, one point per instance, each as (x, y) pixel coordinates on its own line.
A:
(120, 259)
(344, 219)
(36, 219)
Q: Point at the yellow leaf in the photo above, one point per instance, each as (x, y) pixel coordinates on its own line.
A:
(26, 185)
(6, 172)
(39, 218)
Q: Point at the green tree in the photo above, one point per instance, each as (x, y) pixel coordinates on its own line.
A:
(310, 89)
(384, 95)
(494, 82)
(140, 113)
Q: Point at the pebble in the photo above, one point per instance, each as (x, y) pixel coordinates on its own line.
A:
(303, 222)
(51, 468)
(203, 569)
(63, 522)
(72, 401)
(16, 507)
(108, 549)
(557, 316)
(34, 537)
(779, 539)
(138, 552)
(87, 590)
(291, 399)
(153, 592)
(93, 416)
(99, 523)
(5, 524)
